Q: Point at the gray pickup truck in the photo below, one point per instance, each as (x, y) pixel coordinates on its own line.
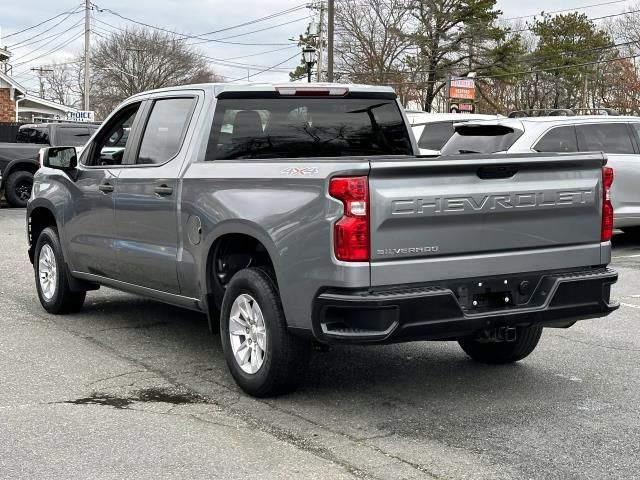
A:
(19, 159)
(298, 214)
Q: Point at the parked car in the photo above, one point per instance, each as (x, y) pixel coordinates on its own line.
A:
(19, 160)
(298, 213)
(432, 130)
(617, 136)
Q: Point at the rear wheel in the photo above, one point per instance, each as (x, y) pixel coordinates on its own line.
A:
(527, 339)
(51, 276)
(632, 231)
(18, 188)
(263, 357)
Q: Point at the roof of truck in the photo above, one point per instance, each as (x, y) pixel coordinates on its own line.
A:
(217, 88)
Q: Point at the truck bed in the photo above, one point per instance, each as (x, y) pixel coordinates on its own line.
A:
(456, 217)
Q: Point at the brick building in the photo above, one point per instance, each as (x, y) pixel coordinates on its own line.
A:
(17, 105)
(9, 90)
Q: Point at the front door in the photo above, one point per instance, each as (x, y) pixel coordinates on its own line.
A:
(90, 226)
(146, 198)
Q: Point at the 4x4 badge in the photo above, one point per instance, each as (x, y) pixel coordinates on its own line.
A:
(299, 171)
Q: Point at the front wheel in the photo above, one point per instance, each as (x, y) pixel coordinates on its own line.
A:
(263, 357)
(52, 280)
(527, 339)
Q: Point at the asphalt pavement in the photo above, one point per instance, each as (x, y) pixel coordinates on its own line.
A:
(130, 388)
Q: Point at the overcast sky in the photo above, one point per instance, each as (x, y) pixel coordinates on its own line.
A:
(197, 17)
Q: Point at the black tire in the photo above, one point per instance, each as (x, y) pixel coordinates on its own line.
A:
(285, 357)
(62, 299)
(18, 188)
(527, 339)
(632, 231)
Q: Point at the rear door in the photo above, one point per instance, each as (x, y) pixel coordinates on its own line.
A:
(615, 140)
(464, 216)
(146, 198)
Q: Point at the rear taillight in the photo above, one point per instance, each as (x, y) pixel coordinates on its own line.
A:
(351, 232)
(607, 208)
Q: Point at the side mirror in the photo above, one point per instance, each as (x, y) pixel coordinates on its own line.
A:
(60, 158)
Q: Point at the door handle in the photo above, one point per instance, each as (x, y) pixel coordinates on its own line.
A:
(164, 190)
(106, 188)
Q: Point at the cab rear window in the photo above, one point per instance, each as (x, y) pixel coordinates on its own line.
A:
(481, 139)
(297, 127)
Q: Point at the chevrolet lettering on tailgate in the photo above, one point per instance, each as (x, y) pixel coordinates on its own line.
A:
(505, 201)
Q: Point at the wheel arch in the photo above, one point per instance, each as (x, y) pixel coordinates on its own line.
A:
(30, 166)
(235, 238)
(40, 216)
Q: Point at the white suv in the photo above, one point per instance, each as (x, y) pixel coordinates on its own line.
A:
(617, 136)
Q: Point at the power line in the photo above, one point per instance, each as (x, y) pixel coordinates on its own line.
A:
(49, 29)
(57, 48)
(186, 37)
(42, 23)
(52, 35)
(58, 35)
(265, 70)
(629, 12)
(261, 53)
(584, 7)
(219, 61)
(511, 74)
(201, 36)
(253, 31)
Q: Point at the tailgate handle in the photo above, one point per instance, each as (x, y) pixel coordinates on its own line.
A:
(497, 171)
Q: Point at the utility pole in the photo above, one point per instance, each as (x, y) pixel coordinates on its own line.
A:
(40, 71)
(320, 41)
(330, 28)
(585, 103)
(87, 44)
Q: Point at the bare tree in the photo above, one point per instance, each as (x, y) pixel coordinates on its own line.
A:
(371, 41)
(136, 60)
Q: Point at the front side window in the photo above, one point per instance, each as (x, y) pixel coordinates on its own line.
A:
(165, 130)
(561, 139)
(295, 127)
(604, 137)
(113, 140)
(435, 135)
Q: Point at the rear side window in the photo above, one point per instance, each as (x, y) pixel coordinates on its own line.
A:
(560, 139)
(73, 136)
(481, 139)
(435, 135)
(604, 137)
(295, 127)
(165, 130)
(33, 135)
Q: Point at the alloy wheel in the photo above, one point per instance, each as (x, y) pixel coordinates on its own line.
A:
(23, 190)
(247, 333)
(47, 271)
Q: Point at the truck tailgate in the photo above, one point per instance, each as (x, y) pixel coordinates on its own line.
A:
(458, 217)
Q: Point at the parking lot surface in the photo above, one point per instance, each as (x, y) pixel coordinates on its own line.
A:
(130, 388)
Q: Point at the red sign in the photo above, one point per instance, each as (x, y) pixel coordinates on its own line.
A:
(462, 88)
